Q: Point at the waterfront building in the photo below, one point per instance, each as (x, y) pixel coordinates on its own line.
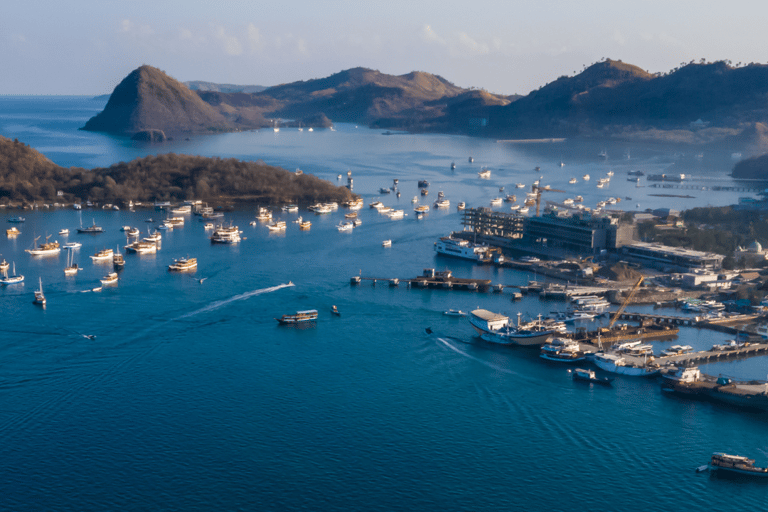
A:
(670, 259)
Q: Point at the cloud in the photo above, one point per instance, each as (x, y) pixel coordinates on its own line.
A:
(253, 37)
(472, 45)
(618, 37)
(429, 35)
(230, 44)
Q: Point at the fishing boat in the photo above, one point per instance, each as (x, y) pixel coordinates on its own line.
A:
(309, 315)
(277, 226)
(110, 278)
(14, 279)
(71, 269)
(91, 230)
(103, 255)
(583, 375)
(183, 265)
(12, 232)
(530, 334)
(562, 350)
(118, 261)
(39, 296)
(736, 464)
(44, 249)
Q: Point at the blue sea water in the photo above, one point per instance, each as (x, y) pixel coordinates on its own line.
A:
(191, 397)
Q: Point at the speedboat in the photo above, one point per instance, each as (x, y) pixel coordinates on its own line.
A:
(64, 232)
(590, 376)
(454, 312)
(585, 177)
(73, 245)
(462, 205)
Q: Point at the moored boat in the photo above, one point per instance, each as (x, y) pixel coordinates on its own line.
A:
(277, 226)
(562, 350)
(226, 235)
(45, 249)
(309, 315)
(386, 243)
(12, 232)
(118, 261)
(142, 247)
(39, 296)
(91, 230)
(736, 464)
(14, 279)
(103, 255)
(305, 225)
(614, 363)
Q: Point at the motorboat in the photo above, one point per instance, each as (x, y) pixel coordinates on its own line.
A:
(103, 255)
(454, 312)
(510, 198)
(585, 177)
(520, 185)
(376, 205)
(182, 210)
(357, 222)
(153, 237)
(396, 214)
(183, 265)
(64, 232)
(572, 181)
(562, 350)
(335, 310)
(350, 215)
(305, 225)
(142, 247)
(292, 208)
(421, 209)
(484, 174)
(415, 199)
(496, 201)
(208, 225)
(73, 245)
(118, 261)
(309, 315)
(166, 226)
(461, 206)
(110, 278)
(264, 214)
(443, 203)
(386, 243)
(39, 296)
(133, 232)
(277, 226)
(580, 374)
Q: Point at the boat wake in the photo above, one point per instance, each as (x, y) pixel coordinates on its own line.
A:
(219, 303)
(469, 356)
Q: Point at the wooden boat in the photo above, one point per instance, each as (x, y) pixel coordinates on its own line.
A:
(183, 265)
(12, 232)
(305, 225)
(736, 464)
(110, 278)
(335, 311)
(309, 315)
(118, 261)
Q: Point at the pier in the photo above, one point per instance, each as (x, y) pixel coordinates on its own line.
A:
(708, 356)
(723, 324)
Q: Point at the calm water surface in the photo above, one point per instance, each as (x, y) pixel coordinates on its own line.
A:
(191, 397)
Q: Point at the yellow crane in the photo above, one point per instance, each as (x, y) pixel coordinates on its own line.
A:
(626, 301)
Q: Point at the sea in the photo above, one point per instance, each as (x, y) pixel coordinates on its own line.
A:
(175, 391)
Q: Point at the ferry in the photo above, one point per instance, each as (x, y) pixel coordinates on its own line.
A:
(464, 249)
(736, 464)
(110, 278)
(572, 181)
(562, 350)
(45, 249)
(103, 255)
(4, 265)
(14, 279)
(39, 296)
(309, 315)
(183, 265)
(226, 235)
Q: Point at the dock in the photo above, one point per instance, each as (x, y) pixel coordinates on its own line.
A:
(709, 356)
(723, 324)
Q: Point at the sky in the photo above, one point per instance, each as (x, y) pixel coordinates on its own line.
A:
(505, 47)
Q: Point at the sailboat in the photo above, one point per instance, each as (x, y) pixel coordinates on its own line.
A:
(39, 297)
(71, 269)
(118, 261)
(14, 279)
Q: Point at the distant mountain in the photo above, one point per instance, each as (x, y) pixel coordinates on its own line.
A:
(198, 85)
(148, 99)
(755, 168)
(710, 101)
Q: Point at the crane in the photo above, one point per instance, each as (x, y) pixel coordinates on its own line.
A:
(626, 301)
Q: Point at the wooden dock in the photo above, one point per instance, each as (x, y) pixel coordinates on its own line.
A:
(708, 356)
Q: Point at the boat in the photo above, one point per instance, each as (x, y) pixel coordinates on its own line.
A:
(225, 235)
(291, 208)
(357, 222)
(572, 181)
(165, 226)
(71, 269)
(676, 350)
(485, 321)
(350, 215)
(4, 265)
(510, 198)
(562, 350)
(39, 296)
(520, 185)
(443, 203)
(424, 192)
(396, 214)
(264, 214)
(376, 205)
(45, 249)
(73, 245)
(12, 232)
(415, 199)
(615, 363)
(449, 246)
(524, 210)
(305, 225)
(103, 255)
(77, 206)
(14, 279)
(277, 226)
(461, 206)
(153, 237)
(110, 278)
(384, 190)
(142, 247)
(17, 219)
(309, 315)
(64, 232)
(530, 334)
(347, 226)
(91, 230)
(590, 376)
(183, 265)
(736, 464)
(182, 210)
(335, 311)
(133, 232)
(421, 209)
(386, 243)
(453, 165)
(484, 174)
(423, 183)
(585, 177)
(496, 201)
(471, 159)
(118, 261)
(603, 154)
(454, 312)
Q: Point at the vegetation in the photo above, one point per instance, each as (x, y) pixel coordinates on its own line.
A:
(755, 168)
(26, 175)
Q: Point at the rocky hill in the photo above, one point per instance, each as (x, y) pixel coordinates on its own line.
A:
(148, 99)
(26, 176)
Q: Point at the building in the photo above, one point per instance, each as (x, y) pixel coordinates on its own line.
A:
(670, 259)
(581, 233)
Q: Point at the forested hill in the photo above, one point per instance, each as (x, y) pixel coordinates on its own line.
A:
(26, 176)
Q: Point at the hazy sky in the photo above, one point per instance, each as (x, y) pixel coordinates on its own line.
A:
(88, 46)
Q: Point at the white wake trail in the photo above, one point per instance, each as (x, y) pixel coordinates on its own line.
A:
(486, 363)
(216, 305)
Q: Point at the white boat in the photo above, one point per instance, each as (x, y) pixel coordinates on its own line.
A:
(572, 181)
(415, 199)
(449, 246)
(585, 177)
(530, 334)
(110, 278)
(291, 208)
(347, 226)
(64, 232)
(165, 226)
(182, 210)
(134, 232)
(142, 247)
(45, 249)
(562, 350)
(396, 214)
(461, 206)
(520, 185)
(357, 222)
(386, 243)
(485, 321)
(309, 315)
(484, 174)
(71, 269)
(305, 225)
(277, 226)
(153, 237)
(226, 235)
(183, 265)
(496, 201)
(39, 296)
(676, 350)
(524, 210)
(73, 245)
(103, 255)
(376, 205)
(615, 363)
(14, 279)
(209, 225)
(443, 203)
(421, 209)
(264, 214)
